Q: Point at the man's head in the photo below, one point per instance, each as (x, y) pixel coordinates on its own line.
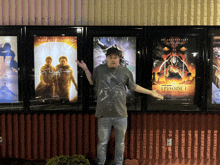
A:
(63, 60)
(48, 60)
(112, 57)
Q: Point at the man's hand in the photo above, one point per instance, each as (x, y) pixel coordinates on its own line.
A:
(157, 95)
(87, 72)
(82, 64)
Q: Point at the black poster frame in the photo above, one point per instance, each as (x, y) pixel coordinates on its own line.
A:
(52, 105)
(144, 34)
(115, 31)
(19, 107)
(210, 67)
(200, 33)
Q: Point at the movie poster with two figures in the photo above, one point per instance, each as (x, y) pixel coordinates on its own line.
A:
(174, 69)
(127, 47)
(9, 92)
(55, 68)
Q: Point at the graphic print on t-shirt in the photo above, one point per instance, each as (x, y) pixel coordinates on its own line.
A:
(128, 59)
(112, 88)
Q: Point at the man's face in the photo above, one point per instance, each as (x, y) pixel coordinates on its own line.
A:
(48, 62)
(113, 60)
(63, 62)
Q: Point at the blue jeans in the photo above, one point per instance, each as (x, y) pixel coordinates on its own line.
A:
(104, 131)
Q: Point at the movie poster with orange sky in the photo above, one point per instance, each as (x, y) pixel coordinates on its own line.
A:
(174, 68)
(55, 67)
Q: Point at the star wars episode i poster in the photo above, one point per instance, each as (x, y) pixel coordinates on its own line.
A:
(174, 69)
(55, 67)
(127, 47)
(216, 71)
(8, 70)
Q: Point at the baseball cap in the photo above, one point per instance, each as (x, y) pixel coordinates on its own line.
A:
(113, 49)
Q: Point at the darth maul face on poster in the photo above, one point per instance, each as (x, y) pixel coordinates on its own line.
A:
(174, 68)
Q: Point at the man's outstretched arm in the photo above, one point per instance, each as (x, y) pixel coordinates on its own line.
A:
(153, 93)
(87, 72)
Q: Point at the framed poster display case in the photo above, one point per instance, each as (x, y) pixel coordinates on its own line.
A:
(130, 42)
(213, 70)
(175, 68)
(53, 72)
(11, 68)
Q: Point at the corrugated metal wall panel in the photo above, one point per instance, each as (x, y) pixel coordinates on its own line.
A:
(15, 136)
(33, 12)
(22, 136)
(28, 132)
(85, 12)
(45, 12)
(59, 12)
(124, 11)
(41, 136)
(137, 12)
(78, 12)
(194, 136)
(47, 136)
(72, 12)
(26, 11)
(38, 12)
(104, 13)
(34, 136)
(111, 12)
(98, 12)
(118, 12)
(52, 12)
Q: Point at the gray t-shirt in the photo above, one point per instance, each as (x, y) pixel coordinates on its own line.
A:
(110, 87)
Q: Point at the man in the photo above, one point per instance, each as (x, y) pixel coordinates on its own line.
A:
(64, 77)
(110, 82)
(46, 87)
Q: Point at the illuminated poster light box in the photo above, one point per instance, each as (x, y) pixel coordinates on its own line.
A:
(174, 72)
(9, 90)
(127, 46)
(55, 69)
(213, 70)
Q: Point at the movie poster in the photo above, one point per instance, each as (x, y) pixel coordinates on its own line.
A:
(174, 69)
(55, 68)
(127, 45)
(216, 71)
(8, 70)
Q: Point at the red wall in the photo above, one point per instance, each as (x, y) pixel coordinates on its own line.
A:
(195, 137)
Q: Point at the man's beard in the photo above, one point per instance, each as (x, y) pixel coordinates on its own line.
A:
(113, 66)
